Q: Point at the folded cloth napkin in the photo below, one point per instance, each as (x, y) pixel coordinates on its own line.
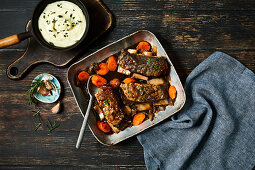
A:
(216, 127)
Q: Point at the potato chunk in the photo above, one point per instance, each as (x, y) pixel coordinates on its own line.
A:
(162, 102)
(142, 107)
(139, 76)
(157, 81)
(127, 110)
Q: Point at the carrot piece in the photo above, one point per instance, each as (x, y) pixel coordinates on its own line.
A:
(112, 63)
(98, 80)
(115, 83)
(172, 92)
(103, 126)
(83, 76)
(138, 119)
(143, 46)
(103, 69)
(129, 80)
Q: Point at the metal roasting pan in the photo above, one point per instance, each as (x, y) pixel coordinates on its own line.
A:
(113, 48)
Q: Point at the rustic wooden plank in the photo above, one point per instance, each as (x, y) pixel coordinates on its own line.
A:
(186, 29)
(64, 167)
(184, 62)
(18, 24)
(59, 149)
(189, 31)
(180, 5)
(17, 5)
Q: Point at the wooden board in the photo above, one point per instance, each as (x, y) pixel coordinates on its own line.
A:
(204, 26)
(35, 53)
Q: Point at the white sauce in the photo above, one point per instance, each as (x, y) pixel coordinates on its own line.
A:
(62, 23)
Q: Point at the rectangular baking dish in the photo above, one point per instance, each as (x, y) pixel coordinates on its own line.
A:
(82, 98)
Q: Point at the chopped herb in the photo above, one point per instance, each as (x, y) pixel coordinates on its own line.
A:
(156, 67)
(132, 106)
(67, 25)
(73, 10)
(40, 29)
(44, 16)
(66, 12)
(51, 43)
(78, 21)
(65, 21)
(148, 61)
(71, 15)
(50, 31)
(73, 24)
(106, 102)
(54, 35)
(57, 32)
(59, 5)
(60, 16)
(54, 20)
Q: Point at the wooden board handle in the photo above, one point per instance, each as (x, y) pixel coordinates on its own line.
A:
(8, 41)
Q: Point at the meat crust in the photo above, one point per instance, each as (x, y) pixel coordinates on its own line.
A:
(136, 92)
(109, 104)
(145, 65)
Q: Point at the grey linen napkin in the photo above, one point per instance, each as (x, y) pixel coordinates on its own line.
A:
(216, 127)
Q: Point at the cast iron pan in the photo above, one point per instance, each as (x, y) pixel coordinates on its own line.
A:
(15, 39)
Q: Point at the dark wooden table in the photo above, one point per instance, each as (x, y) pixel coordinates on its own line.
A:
(189, 31)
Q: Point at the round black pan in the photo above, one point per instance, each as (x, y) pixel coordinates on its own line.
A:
(15, 39)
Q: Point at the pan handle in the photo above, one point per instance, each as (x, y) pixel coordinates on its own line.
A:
(14, 39)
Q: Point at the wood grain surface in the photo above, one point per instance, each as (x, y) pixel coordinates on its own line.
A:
(189, 31)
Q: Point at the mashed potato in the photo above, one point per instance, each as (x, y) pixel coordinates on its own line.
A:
(62, 23)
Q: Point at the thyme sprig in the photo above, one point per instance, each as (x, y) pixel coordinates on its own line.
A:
(36, 113)
(52, 126)
(33, 89)
(37, 125)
